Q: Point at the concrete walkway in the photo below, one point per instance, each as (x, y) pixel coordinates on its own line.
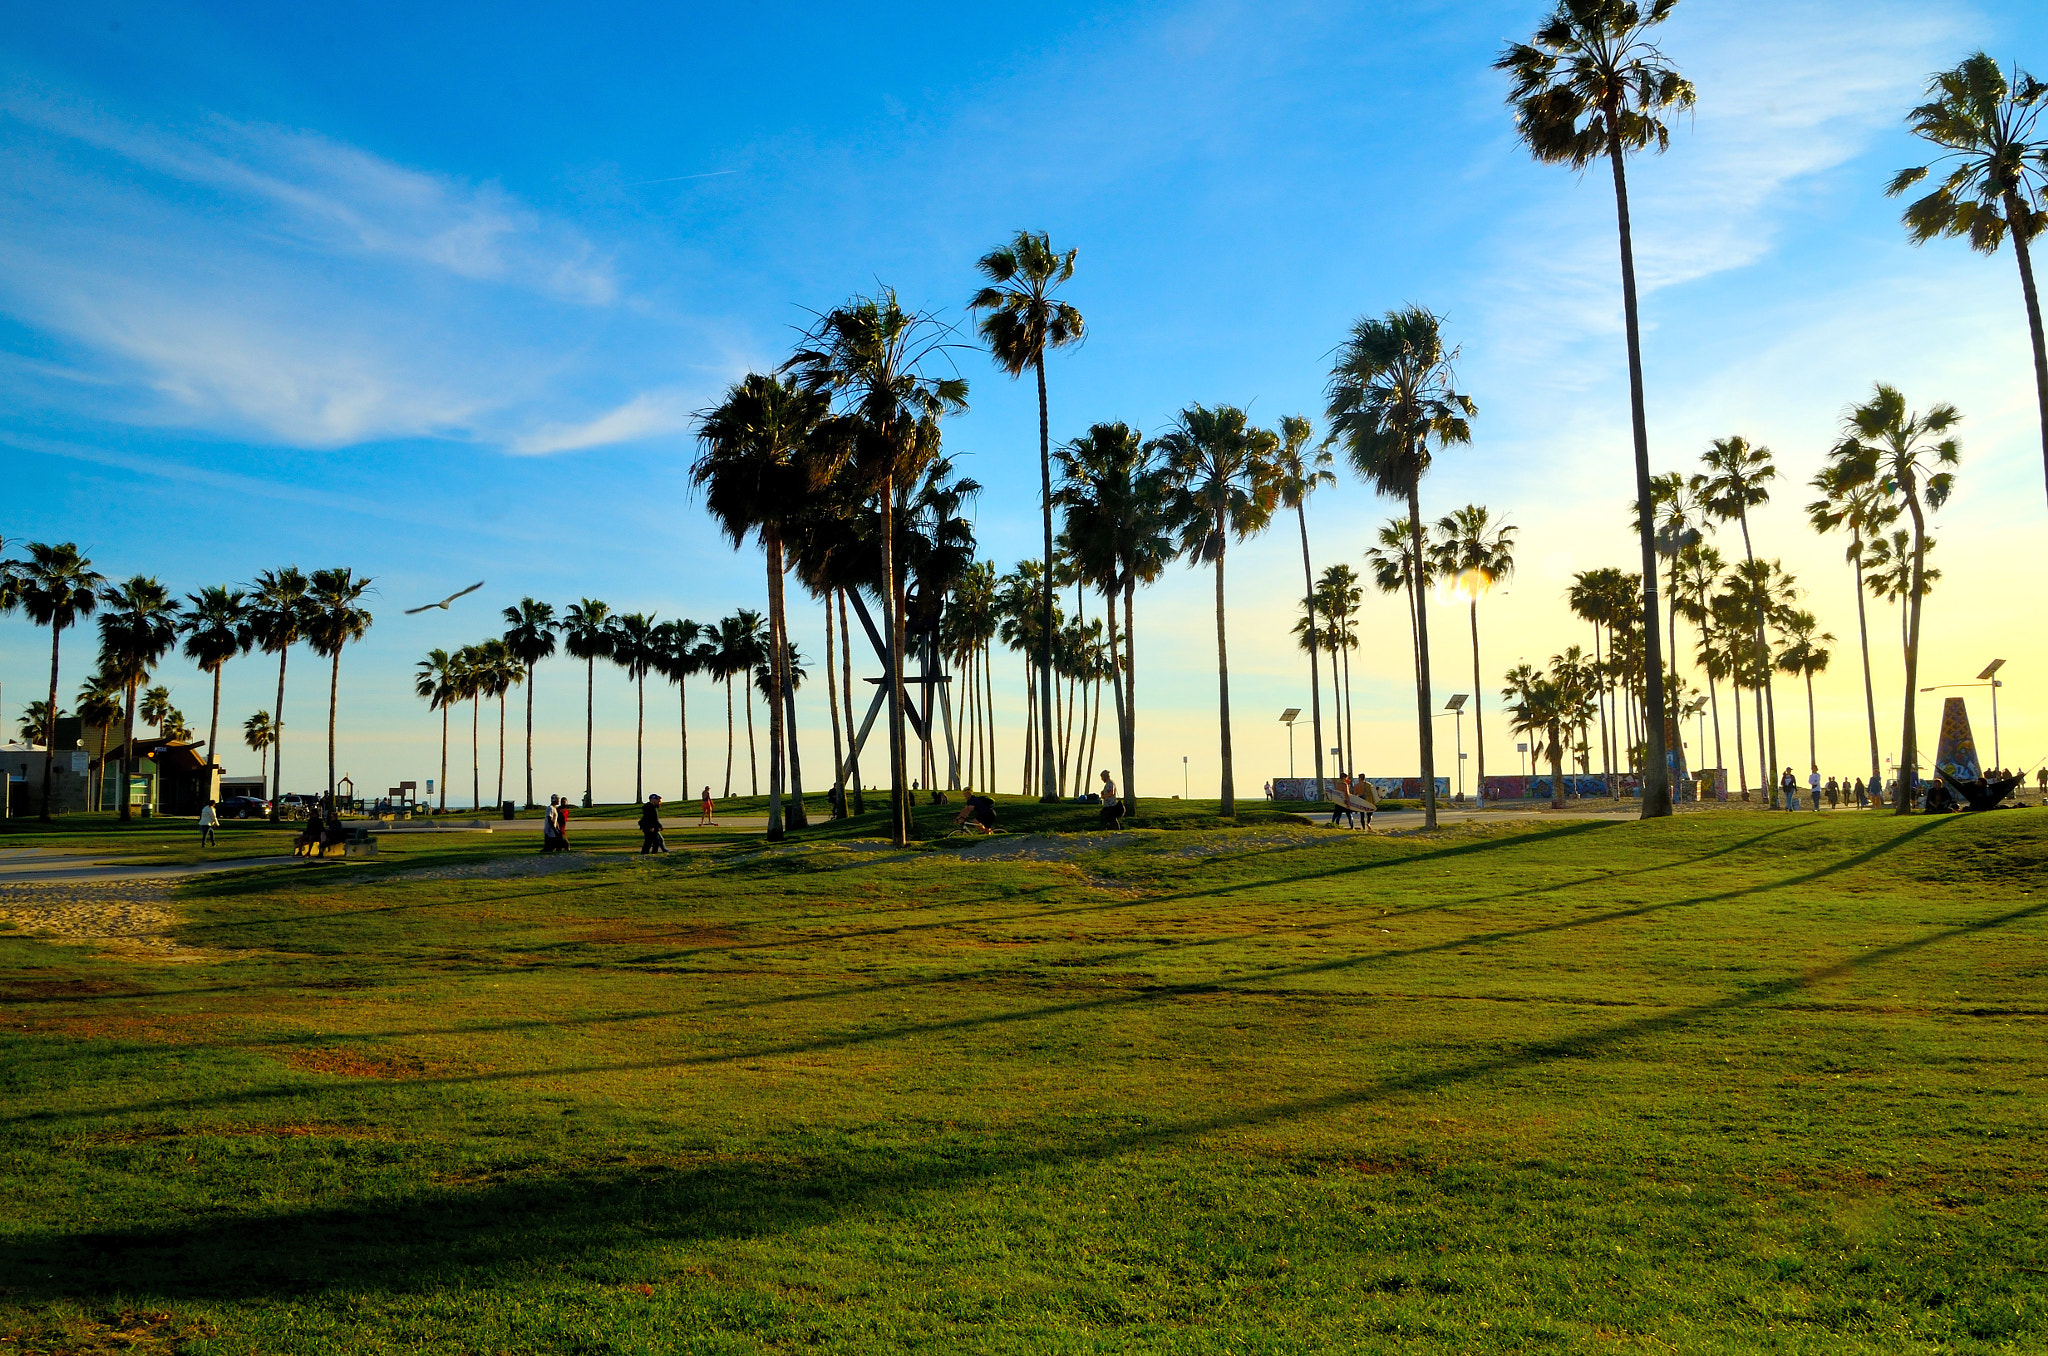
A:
(35, 866)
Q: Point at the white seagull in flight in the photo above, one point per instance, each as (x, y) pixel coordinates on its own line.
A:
(443, 604)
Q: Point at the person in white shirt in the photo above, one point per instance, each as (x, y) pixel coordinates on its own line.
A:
(208, 818)
(1813, 785)
(1112, 808)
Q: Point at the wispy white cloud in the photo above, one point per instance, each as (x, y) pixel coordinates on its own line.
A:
(277, 283)
(651, 414)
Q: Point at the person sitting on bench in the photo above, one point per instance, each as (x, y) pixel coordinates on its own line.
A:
(979, 811)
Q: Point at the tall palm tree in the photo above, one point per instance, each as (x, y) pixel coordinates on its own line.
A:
(140, 623)
(1393, 571)
(870, 355)
(1905, 453)
(1302, 472)
(1988, 126)
(335, 619)
(530, 635)
(678, 657)
(587, 636)
(56, 586)
(736, 646)
(761, 467)
(1391, 404)
(1338, 596)
(1888, 571)
(634, 648)
(1592, 82)
(1022, 319)
(278, 619)
(35, 723)
(1109, 501)
(1476, 553)
(259, 736)
(1738, 480)
(1860, 510)
(155, 707)
(1681, 513)
(1592, 599)
(468, 677)
(1767, 592)
(1224, 485)
(216, 626)
(434, 680)
(498, 671)
(99, 707)
(1545, 706)
(1805, 654)
(1699, 573)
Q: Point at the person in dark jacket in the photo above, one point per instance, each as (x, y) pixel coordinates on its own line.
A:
(650, 827)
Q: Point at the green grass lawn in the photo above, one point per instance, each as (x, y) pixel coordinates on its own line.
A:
(1728, 1083)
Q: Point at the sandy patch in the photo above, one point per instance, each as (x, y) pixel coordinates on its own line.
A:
(512, 868)
(131, 920)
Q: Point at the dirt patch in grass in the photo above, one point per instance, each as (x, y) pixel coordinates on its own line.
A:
(62, 990)
(129, 920)
(512, 868)
(129, 1331)
(356, 1064)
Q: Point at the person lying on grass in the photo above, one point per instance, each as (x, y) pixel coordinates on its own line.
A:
(978, 813)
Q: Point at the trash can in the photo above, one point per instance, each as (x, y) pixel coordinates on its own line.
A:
(507, 810)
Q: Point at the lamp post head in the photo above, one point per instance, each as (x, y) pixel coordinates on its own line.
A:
(1287, 716)
(1991, 669)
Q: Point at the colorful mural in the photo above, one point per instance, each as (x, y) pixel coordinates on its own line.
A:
(1955, 753)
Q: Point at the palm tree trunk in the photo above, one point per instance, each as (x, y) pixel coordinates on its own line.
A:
(832, 702)
(1350, 708)
(1713, 700)
(476, 783)
(1229, 806)
(1766, 754)
(860, 803)
(798, 817)
(1116, 679)
(501, 750)
(444, 758)
(1741, 767)
(529, 738)
(639, 740)
(753, 751)
(50, 734)
(213, 732)
(276, 742)
(1031, 752)
(683, 726)
(771, 544)
(728, 736)
(127, 754)
(1343, 745)
(1600, 700)
(1130, 695)
(899, 771)
(589, 721)
(333, 698)
(1556, 737)
(1909, 758)
(2016, 212)
(1047, 789)
(1423, 730)
(1315, 680)
(1656, 776)
(1863, 638)
(1812, 734)
(1478, 725)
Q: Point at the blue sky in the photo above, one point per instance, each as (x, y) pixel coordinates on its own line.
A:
(433, 291)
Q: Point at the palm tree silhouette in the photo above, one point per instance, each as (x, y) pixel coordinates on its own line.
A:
(870, 355)
(1592, 82)
(1697, 574)
(530, 635)
(1477, 553)
(1222, 484)
(1739, 480)
(1988, 126)
(140, 623)
(1022, 320)
(498, 671)
(1301, 474)
(434, 679)
(634, 649)
(217, 628)
(56, 586)
(1390, 401)
(278, 619)
(99, 706)
(761, 467)
(334, 620)
(1861, 510)
(586, 636)
(678, 656)
(1905, 453)
(257, 734)
(1805, 654)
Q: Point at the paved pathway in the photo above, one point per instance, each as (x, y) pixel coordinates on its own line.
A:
(36, 866)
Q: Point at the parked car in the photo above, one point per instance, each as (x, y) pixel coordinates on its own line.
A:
(244, 807)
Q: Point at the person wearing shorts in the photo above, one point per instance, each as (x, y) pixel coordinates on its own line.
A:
(704, 820)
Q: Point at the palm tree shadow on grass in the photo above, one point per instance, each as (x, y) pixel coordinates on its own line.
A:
(518, 1230)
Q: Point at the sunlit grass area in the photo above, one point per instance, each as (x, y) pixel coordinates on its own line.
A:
(1713, 1084)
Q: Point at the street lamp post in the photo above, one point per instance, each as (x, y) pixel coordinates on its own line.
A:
(1183, 776)
(1287, 719)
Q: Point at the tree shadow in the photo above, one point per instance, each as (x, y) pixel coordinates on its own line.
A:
(446, 1237)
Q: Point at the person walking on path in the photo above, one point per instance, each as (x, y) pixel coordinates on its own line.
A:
(1112, 808)
(1369, 795)
(1834, 793)
(208, 817)
(704, 819)
(1813, 786)
(562, 825)
(551, 826)
(1340, 802)
(650, 827)
(1789, 786)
